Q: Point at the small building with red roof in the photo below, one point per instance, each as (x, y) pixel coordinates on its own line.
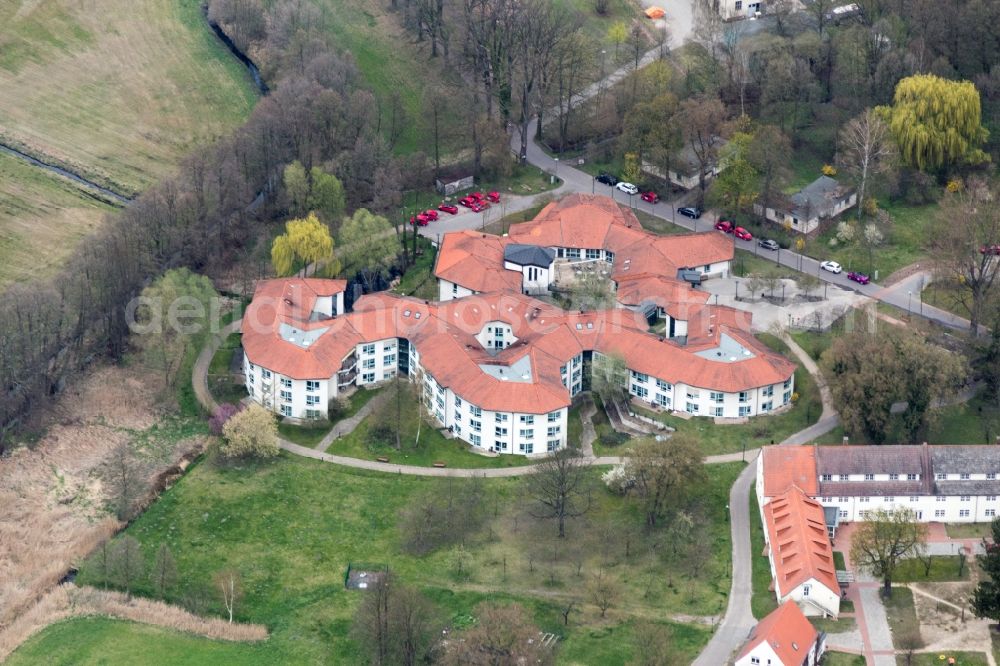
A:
(783, 638)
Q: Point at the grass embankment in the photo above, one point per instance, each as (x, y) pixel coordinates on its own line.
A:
(969, 530)
(763, 600)
(291, 526)
(943, 568)
(120, 96)
(843, 659)
(42, 218)
(902, 615)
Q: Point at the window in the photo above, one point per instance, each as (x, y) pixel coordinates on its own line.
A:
(805, 590)
(744, 410)
(767, 392)
(527, 433)
(826, 477)
(593, 254)
(990, 513)
(458, 417)
(894, 477)
(845, 477)
(390, 359)
(744, 396)
(693, 394)
(991, 476)
(286, 410)
(312, 414)
(766, 407)
(287, 383)
(640, 377)
(501, 418)
(863, 500)
(662, 400)
(715, 396)
(368, 349)
(475, 411)
(266, 374)
(940, 498)
(499, 431)
(966, 498)
(527, 419)
(639, 391)
(552, 445)
(941, 477)
(458, 402)
(754, 660)
(477, 426)
(662, 385)
(869, 477)
(717, 411)
(368, 378)
(286, 396)
(553, 417)
(692, 408)
(573, 253)
(888, 499)
(911, 477)
(312, 385)
(842, 513)
(914, 499)
(787, 397)
(312, 399)
(939, 513)
(964, 476)
(554, 430)
(476, 439)
(252, 392)
(991, 498)
(739, 5)
(454, 289)
(368, 363)
(963, 513)
(609, 257)
(527, 448)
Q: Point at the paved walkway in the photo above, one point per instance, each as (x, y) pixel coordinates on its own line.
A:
(587, 411)
(871, 619)
(347, 426)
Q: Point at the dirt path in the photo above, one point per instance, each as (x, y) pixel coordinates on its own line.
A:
(589, 434)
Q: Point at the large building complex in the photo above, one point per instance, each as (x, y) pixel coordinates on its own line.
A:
(500, 368)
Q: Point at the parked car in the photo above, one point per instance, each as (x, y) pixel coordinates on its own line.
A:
(466, 201)
(860, 278)
(479, 206)
(725, 225)
(990, 249)
(448, 208)
(650, 197)
(627, 188)
(494, 196)
(831, 266)
(769, 244)
(690, 211)
(431, 214)
(607, 179)
(742, 234)
(419, 220)
(478, 196)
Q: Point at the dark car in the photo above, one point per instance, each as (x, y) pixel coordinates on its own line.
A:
(690, 211)
(448, 208)
(769, 244)
(650, 197)
(607, 179)
(860, 278)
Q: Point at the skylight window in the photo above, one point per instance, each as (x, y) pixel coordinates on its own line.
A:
(406, 313)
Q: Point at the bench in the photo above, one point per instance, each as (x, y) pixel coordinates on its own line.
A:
(439, 463)
(383, 459)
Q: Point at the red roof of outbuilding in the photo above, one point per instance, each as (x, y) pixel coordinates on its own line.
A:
(787, 631)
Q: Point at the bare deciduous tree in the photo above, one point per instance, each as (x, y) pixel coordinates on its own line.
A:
(561, 487)
(604, 591)
(125, 562)
(866, 150)
(164, 573)
(229, 583)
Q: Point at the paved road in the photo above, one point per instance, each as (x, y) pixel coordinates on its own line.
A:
(738, 620)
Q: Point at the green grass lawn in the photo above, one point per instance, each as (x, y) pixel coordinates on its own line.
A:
(901, 614)
(934, 659)
(842, 659)
(838, 561)
(943, 568)
(761, 430)
(833, 625)
(292, 525)
(312, 433)
(574, 426)
(220, 382)
(763, 600)
(969, 530)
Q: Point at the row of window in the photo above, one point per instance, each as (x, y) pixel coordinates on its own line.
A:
(912, 498)
(964, 476)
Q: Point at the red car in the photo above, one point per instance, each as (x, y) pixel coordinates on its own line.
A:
(990, 249)
(650, 197)
(725, 225)
(860, 278)
(466, 201)
(448, 208)
(431, 214)
(478, 196)
(742, 234)
(479, 206)
(419, 220)
(494, 196)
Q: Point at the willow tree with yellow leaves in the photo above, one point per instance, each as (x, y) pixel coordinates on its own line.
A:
(936, 122)
(305, 242)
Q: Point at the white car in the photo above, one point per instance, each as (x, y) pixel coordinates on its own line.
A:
(831, 266)
(627, 188)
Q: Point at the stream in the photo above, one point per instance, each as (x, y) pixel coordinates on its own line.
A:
(114, 197)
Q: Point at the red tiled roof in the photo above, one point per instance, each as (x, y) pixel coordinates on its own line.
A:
(787, 631)
(800, 546)
(475, 261)
(788, 466)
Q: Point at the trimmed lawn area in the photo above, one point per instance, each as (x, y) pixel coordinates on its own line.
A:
(763, 601)
(220, 381)
(838, 561)
(761, 430)
(574, 427)
(834, 626)
(969, 530)
(943, 568)
(292, 525)
(842, 659)
(934, 659)
(901, 614)
(311, 434)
